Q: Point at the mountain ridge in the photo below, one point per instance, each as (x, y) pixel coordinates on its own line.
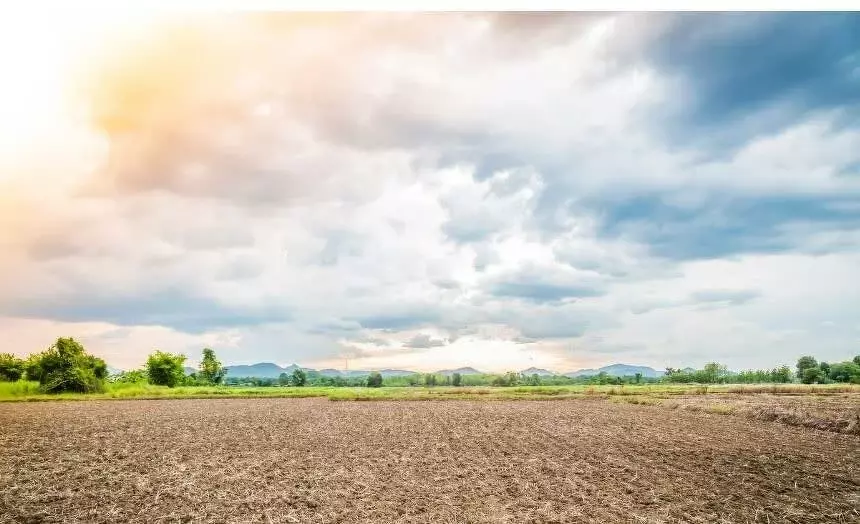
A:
(272, 370)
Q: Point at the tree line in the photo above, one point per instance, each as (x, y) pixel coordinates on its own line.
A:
(807, 371)
(66, 366)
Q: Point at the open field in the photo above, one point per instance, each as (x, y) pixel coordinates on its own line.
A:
(311, 460)
(29, 391)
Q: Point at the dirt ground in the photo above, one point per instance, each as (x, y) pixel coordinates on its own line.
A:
(834, 412)
(312, 460)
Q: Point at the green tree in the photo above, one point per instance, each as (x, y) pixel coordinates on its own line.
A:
(66, 366)
(457, 379)
(638, 378)
(299, 377)
(782, 374)
(374, 380)
(714, 373)
(845, 372)
(32, 371)
(825, 368)
(211, 370)
(165, 369)
(804, 363)
(284, 379)
(812, 376)
(11, 367)
(430, 380)
(857, 360)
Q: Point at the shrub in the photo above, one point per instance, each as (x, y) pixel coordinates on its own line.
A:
(457, 380)
(165, 369)
(11, 367)
(135, 376)
(374, 380)
(65, 366)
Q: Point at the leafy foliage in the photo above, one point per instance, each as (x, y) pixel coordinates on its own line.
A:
(812, 376)
(66, 366)
(804, 363)
(211, 370)
(300, 378)
(457, 380)
(374, 380)
(11, 367)
(135, 376)
(165, 369)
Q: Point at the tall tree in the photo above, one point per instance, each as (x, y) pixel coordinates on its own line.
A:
(299, 378)
(804, 363)
(211, 370)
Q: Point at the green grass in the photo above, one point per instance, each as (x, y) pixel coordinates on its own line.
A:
(29, 391)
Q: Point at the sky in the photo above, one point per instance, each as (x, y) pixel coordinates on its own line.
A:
(427, 191)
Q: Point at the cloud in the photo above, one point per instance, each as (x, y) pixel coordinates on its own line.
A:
(731, 297)
(423, 341)
(555, 188)
(546, 284)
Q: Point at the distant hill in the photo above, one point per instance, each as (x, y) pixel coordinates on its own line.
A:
(537, 371)
(617, 370)
(259, 370)
(271, 370)
(462, 371)
(396, 373)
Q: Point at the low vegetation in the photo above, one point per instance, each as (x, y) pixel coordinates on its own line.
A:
(66, 371)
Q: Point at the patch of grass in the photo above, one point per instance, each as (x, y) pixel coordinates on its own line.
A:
(642, 400)
(720, 409)
(639, 394)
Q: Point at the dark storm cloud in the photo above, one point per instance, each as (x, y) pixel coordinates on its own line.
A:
(737, 64)
(725, 226)
(423, 341)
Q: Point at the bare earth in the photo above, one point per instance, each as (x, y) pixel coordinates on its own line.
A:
(312, 460)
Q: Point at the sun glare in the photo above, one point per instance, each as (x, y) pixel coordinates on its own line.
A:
(44, 57)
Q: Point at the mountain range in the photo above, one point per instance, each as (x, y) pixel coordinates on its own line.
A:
(617, 370)
(271, 370)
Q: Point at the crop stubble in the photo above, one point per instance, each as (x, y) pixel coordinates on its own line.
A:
(311, 460)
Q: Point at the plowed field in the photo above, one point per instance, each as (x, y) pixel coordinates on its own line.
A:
(312, 460)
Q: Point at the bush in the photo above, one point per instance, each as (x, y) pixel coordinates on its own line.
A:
(11, 367)
(65, 366)
(457, 380)
(374, 380)
(165, 369)
(135, 376)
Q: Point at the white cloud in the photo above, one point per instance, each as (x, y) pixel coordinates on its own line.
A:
(293, 190)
